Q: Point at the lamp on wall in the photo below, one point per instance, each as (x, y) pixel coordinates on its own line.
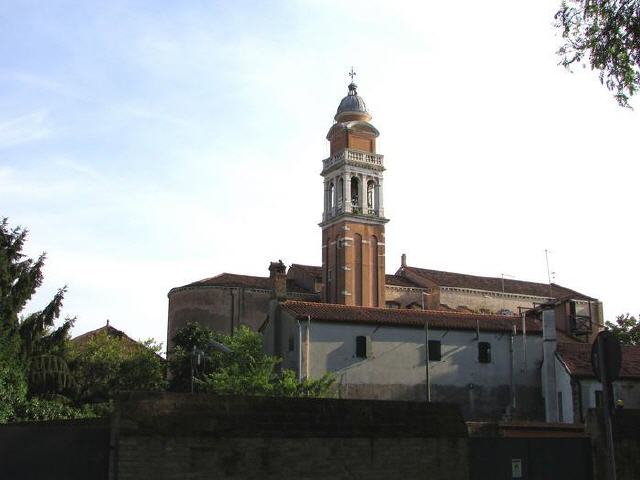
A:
(198, 358)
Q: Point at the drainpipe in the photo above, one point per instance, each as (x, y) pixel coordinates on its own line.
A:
(579, 387)
(512, 405)
(524, 341)
(233, 306)
(299, 351)
(308, 346)
(426, 366)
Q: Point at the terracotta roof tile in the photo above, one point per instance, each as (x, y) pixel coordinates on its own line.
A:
(399, 281)
(246, 281)
(493, 284)
(312, 270)
(577, 359)
(404, 317)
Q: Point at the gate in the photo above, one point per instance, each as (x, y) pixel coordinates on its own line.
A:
(507, 458)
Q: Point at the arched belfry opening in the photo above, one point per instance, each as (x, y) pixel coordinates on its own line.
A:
(353, 219)
(371, 193)
(355, 197)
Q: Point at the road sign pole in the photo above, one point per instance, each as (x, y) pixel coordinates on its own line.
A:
(606, 409)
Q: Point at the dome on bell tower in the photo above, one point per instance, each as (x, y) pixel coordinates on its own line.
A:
(352, 107)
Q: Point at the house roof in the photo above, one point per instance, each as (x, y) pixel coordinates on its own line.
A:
(131, 344)
(246, 281)
(577, 360)
(309, 269)
(409, 318)
(493, 284)
(108, 329)
(398, 281)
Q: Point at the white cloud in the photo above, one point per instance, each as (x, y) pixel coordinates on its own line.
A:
(27, 128)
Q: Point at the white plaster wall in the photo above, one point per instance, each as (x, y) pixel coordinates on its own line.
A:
(563, 384)
(398, 356)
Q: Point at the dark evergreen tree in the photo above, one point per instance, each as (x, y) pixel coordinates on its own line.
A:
(32, 344)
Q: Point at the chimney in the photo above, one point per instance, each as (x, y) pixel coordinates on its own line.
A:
(403, 260)
(549, 384)
(278, 276)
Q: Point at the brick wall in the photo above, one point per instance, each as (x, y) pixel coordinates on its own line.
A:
(206, 436)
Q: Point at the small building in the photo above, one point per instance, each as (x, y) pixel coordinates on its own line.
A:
(487, 364)
(578, 389)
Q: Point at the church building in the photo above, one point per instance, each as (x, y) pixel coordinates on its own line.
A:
(416, 334)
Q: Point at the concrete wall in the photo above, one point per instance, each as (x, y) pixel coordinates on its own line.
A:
(174, 436)
(396, 366)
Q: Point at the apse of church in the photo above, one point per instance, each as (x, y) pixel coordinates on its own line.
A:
(353, 241)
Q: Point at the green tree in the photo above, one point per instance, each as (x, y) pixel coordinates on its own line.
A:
(31, 347)
(247, 370)
(32, 341)
(604, 34)
(106, 365)
(626, 328)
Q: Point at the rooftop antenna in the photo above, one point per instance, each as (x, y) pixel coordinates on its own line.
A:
(505, 275)
(550, 275)
(502, 275)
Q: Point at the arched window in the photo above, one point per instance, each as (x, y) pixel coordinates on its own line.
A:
(340, 191)
(355, 185)
(371, 188)
(332, 198)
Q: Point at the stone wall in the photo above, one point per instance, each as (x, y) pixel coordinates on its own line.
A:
(175, 436)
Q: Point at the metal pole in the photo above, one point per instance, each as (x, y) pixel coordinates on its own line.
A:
(307, 346)
(513, 388)
(607, 401)
(524, 341)
(426, 367)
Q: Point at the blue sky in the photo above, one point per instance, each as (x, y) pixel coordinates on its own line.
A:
(149, 144)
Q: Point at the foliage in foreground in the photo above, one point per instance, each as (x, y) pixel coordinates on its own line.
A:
(605, 34)
(245, 371)
(32, 348)
(43, 376)
(626, 328)
(107, 365)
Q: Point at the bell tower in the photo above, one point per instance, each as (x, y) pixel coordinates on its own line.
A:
(353, 266)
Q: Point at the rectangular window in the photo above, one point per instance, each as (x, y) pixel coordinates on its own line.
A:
(363, 346)
(560, 411)
(484, 352)
(598, 398)
(291, 343)
(435, 353)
